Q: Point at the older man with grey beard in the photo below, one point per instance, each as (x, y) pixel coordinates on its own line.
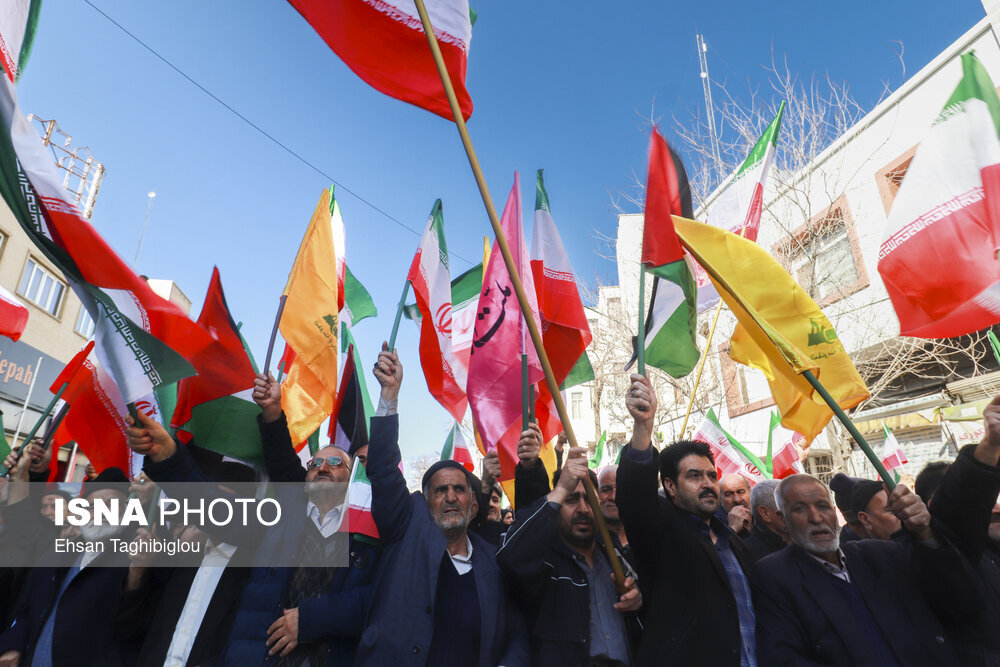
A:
(441, 598)
(866, 602)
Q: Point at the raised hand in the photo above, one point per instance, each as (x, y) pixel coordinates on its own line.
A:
(389, 373)
(149, 438)
(529, 446)
(911, 512)
(267, 395)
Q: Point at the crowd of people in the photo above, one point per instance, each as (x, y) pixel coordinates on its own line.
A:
(711, 572)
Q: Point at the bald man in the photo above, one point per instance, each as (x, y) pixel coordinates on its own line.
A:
(734, 506)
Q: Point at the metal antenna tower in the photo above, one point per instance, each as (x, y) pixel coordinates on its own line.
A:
(706, 84)
(83, 173)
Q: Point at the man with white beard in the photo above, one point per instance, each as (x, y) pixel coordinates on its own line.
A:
(63, 618)
(866, 602)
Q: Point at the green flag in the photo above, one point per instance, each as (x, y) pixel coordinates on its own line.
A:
(598, 459)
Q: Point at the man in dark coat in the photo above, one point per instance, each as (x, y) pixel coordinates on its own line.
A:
(868, 602)
(964, 505)
(768, 534)
(440, 599)
(693, 571)
(560, 575)
(63, 618)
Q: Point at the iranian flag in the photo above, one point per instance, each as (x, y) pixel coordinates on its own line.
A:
(384, 43)
(730, 456)
(738, 207)
(359, 500)
(457, 449)
(893, 456)
(431, 280)
(565, 331)
(13, 315)
(787, 460)
(18, 21)
(947, 213)
(215, 412)
(670, 340)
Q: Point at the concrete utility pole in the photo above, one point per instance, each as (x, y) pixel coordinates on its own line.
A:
(706, 84)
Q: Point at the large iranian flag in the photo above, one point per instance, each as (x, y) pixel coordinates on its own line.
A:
(730, 456)
(738, 207)
(383, 41)
(429, 274)
(18, 21)
(946, 215)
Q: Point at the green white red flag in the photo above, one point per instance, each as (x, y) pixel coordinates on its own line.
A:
(358, 303)
(893, 456)
(456, 448)
(431, 280)
(18, 21)
(565, 331)
(384, 43)
(359, 499)
(670, 337)
(948, 210)
(786, 460)
(730, 456)
(739, 206)
(13, 315)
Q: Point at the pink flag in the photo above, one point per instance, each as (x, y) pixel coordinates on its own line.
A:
(494, 385)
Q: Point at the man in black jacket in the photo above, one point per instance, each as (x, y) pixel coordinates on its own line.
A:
(868, 602)
(692, 568)
(768, 534)
(964, 505)
(562, 578)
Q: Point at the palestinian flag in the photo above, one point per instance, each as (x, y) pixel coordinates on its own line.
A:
(214, 413)
(565, 330)
(730, 456)
(893, 456)
(18, 21)
(430, 277)
(738, 207)
(671, 339)
(597, 460)
(457, 449)
(384, 43)
(787, 460)
(13, 315)
(948, 210)
(346, 341)
(358, 303)
(348, 428)
(359, 499)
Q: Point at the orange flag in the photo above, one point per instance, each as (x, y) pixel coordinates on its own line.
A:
(309, 327)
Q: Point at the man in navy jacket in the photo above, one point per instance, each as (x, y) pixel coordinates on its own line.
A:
(441, 598)
(868, 602)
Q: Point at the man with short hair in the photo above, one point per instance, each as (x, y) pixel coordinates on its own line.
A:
(768, 534)
(607, 493)
(843, 487)
(867, 602)
(563, 579)
(735, 503)
(871, 504)
(441, 597)
(693, 571)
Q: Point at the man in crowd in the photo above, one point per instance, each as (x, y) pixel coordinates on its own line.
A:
(868, 602)
(963, 501)
(768, 534)
(563, 579)
(735, 504)
(692, 568)
(288, 614)
(63, 616)
(843, 488)
(441, 598)
(607, 493)
(870, 503)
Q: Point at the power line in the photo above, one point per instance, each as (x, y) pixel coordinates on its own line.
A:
(340, 186)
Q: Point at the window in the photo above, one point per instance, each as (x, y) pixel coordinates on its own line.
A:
(824, 256)
(746, 388)
(85, 323)
(820, 465)
(890, 177)
(577, 402)
(41, 287)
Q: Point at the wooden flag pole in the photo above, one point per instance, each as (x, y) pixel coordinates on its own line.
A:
(888, 479)
(274, 333)
(399, 314)
(515, 279)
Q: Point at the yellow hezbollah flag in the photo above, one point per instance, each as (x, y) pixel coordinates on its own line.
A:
(309, 326)
(781, 330)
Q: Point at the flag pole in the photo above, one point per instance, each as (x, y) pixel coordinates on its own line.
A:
(27, 399)
(888, 479)
(274, 333)
(640, 350)
(515, 279)
(399, 315)
(38, 425)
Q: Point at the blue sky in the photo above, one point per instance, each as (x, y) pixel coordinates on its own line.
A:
(557, 85)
